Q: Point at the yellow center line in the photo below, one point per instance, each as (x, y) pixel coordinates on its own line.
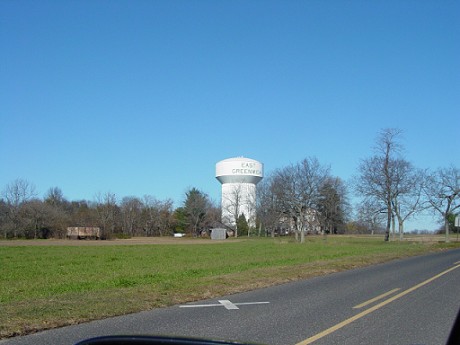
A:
(372, 309)
(379, 297)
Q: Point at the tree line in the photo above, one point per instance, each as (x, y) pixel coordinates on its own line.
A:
(23, 215)
(300, 198)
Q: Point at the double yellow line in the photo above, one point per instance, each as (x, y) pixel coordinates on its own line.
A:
(375, 307)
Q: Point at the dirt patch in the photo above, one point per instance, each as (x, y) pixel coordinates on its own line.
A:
(116, 242)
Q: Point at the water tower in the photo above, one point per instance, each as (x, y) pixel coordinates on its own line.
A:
(239, 177)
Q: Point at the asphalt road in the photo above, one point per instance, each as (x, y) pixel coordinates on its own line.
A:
(411, 301)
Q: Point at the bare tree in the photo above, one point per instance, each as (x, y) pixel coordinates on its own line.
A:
(407, 183)
(250, 212)
(157, 215)
(233, 202)
(15, 194)
(37, 218)
(388, 145)
(370, 215)
(151, 217)
(297, 190)
(376, 180)
(61, 211)
(106, 209)
(442, 191)
(4, 218)
(213, 215)
(83, 213)
(165, 216)
(54, 197)
(131, 212)
(268, 213)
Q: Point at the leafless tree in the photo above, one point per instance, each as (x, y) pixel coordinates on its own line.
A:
(234, 200)
(268, 213)
(213, 215)
(61, 211)
(157, 215)
(370, 215)
(251, 209)
(37, 218)
(297, 190)
(151, 217)
(442, 191)
(165, 216)
(407, 183)
(15, 194)
(4, 222)
(84, 213)
(54, 197)
(388, 145)
(376, 174)
(106, 209)
(131, 212)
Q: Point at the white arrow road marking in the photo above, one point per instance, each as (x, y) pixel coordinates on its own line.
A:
(228, 305)
(222, 303)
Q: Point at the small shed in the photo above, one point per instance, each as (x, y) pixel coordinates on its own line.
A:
(218, 234)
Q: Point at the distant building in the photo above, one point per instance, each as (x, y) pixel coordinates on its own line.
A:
(311, 223)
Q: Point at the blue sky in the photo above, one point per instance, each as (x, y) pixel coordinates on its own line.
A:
(144, 97)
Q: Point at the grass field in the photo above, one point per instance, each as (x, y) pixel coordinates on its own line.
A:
(48, 285)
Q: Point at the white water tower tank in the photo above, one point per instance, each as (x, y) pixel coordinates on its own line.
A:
(239, 177)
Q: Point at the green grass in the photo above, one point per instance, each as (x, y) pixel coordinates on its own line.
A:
(48, 286)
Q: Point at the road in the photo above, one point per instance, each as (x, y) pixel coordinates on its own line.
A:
(410, 301)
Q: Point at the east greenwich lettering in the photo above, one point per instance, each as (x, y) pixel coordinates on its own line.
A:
(247, 168)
